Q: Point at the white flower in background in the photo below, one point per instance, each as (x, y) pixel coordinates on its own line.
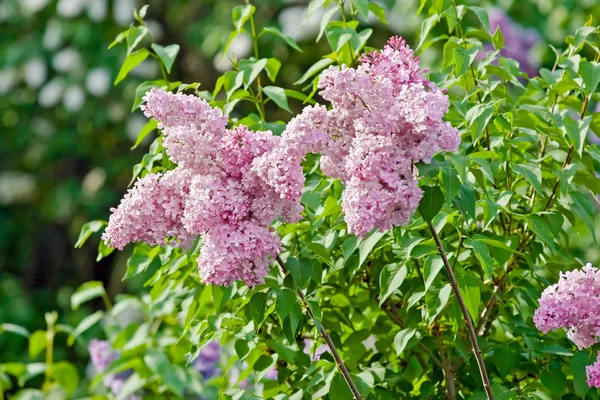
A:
(70, 8)
(97, 81)
(42, 127)
(50, 94)
(53, 35)
(97, 9)
(116, 112)
(93, 181)
(123, 11)
(148, 69)
(134, 126)
(239, 48)
(292, 22)
(73, 98)
(33, 6)
(8, 79)
(67, 60)
(155, 28)
(35, 72)
(16, 187)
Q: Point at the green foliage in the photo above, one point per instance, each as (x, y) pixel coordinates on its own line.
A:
(509, 208)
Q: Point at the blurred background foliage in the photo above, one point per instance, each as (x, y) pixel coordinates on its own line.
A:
(66, 131)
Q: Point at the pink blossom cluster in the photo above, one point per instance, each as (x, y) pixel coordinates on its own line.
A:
(231, 184)
(213, 192)
(574, 304)
(385, 116)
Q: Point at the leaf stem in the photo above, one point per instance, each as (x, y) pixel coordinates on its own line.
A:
(338, 360)
(472, 335)
(258, 82)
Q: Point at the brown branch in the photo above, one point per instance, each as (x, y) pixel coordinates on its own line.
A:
(472, 335)
(338, 360)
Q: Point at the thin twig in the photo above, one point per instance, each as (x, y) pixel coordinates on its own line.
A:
(472, 335)
(338, 360)
(447, 362)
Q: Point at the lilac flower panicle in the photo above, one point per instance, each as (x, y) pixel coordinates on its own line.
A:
(215, 192)
(518, 41)
(384, 117)
(593, 374)
(102, 354)
(206, 362)
(572, 304)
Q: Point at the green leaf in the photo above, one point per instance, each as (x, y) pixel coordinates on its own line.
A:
(450, 183)
(16, 329)
(272, 68)
(84, 325)
(313, 6)
(37, 343)
(339, 388)
(301, 270)
(378, 11)
(483, 256)
(87, 230)
(293, 322)
(431, 203)
(140, 15)
(542, 230)
(278, 95)
(86, 292)
(251, 70)
(286, 38)
(362, 6)
(316, 67)
(431, 269)
(286, 298)
(241, 14)
(402, 338)
(498, 39)
(478, 117)
(578, 363)
(482, 14)
(65, 374)
(325, 20)
(577, 131)
(166, 54)
(556, 381)
(426, 26)
(441, 301)
(134, 383)
(590, 73)
(338, 36)
(367, 245)
(133, 60)
(148, 128)
(532, 174)
(119, 38)
(390, 279)
(135, 36)
(463, 58)
(258, 306)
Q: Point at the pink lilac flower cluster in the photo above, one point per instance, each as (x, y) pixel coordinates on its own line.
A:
(385, 116)
(102, 355)
(214, 192)
(574, 304)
